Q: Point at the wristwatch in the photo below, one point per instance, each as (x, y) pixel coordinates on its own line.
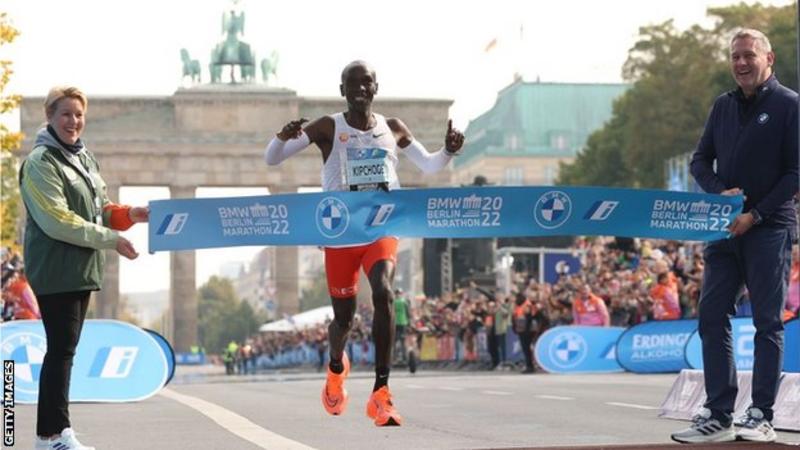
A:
(757, 219)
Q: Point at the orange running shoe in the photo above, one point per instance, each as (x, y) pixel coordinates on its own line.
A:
(380, 408)
(334, 395)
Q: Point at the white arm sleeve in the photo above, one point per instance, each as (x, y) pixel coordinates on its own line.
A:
(427, 162)
(278, 150)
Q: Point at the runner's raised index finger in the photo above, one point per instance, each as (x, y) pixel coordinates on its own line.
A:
(449, 126)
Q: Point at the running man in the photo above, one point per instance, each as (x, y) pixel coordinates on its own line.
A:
(342, 138)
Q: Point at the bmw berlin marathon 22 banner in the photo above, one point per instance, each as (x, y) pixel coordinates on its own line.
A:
(342, 218)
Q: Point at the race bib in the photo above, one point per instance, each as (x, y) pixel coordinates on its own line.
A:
(367, 167)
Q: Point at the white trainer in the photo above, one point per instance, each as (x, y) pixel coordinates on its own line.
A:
(754, 427)
(67, 441)
(705, 429)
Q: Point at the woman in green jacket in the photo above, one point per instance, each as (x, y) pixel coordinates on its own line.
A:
(70, 223)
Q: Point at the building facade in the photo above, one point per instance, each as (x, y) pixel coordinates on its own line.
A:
(531, 128)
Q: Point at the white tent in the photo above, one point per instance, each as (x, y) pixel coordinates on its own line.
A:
(300, 321)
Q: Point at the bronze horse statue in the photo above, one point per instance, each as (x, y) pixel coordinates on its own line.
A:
(269, 66)
(191, 67)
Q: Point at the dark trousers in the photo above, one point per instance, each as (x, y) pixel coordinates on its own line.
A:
(491, 343)
(525, 341)
(62, 316)
(760, 259)
(501, 346)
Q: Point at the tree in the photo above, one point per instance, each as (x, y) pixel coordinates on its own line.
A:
(125, 313)
(222, 316)
(778, 23)
(317, 294)
(216, 299)
(601, 162)
(675, 76)
(9, 144)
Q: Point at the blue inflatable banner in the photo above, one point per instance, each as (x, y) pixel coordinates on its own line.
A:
(115, 361)
(578, 349)
(190, 359)
(655, 346)
(169, 353)
(744, 346)
(791, 349)
(341, 218)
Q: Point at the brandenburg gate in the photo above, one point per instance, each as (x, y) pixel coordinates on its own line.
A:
(214, 136)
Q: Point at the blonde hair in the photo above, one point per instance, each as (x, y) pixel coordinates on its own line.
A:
(59, 92)
(755, 35)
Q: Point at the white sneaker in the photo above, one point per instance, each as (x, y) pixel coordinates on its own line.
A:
(754, 427)
(67, 441)
(705, 429)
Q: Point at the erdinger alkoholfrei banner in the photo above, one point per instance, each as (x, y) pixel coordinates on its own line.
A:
(655, 346)
(342, 218)
(744, 346)
(114, 362)
(576, 349)
(791, 349)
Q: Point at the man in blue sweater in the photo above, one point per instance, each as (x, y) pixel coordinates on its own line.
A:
(751, 134)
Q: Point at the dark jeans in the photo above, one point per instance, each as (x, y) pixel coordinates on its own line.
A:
(525, 341)
(62, 316)
(760, 259)
(491, 343)
(501, 345)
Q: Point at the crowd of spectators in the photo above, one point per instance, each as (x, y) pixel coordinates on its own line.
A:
(621, 282)
(17, 300)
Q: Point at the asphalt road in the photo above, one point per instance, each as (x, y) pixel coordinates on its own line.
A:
(202, 409)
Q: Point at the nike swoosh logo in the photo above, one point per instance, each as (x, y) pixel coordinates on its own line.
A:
(376, 136)
(330, 402)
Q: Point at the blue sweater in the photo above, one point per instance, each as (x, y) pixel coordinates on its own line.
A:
(754, 142)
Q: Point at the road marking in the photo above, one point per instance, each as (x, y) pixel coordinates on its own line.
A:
(496, 392)
(450, 388)
(235, 423)
(555, 397)
(630, 405)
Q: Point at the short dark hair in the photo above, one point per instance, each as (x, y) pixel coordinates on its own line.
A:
(356, 63)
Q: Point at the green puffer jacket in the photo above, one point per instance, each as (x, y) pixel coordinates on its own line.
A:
(65, 231)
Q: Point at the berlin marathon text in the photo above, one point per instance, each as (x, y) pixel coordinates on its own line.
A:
(679, 225)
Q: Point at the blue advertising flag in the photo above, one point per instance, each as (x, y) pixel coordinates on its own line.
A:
(559, 264)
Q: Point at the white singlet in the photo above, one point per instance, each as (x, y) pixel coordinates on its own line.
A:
(363, 159)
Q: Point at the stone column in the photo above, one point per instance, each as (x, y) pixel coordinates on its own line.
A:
(183, 294)
(107, 299)
(287, 262)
